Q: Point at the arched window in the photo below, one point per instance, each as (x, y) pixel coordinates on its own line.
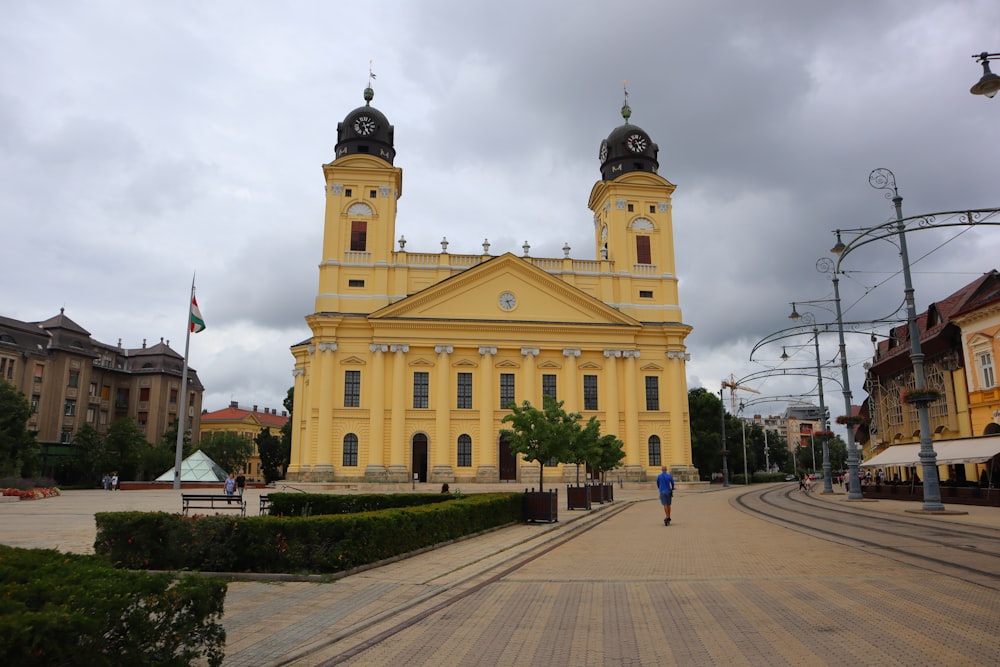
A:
(654, 450)
(464, 451)
(350, 450)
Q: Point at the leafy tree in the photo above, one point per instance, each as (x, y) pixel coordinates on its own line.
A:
(272, 455)
(18, 447)
(169, 440)
(610, 452)
(88, 460)
(286, 432)
(583, 444)
(230, 450)
(124, 445)
(540, 435)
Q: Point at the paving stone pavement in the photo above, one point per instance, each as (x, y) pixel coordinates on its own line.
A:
(718, 587)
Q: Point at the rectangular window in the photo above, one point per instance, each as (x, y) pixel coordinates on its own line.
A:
(549, 386)
(74, 379)
(142, 419)
(352, 389)
(35, 400)
(465, 391)
(93, 390)
(589, 392)
(359, 235)
(91, 415)
(631, 207)
(173, 398)
(355, 283)
(105, 392)
(652, 392)
(69, 409)
(144, 393)
(372, 194)
(652, 208)
(39, 369)
(645, 294)
(642, 254)
(420, 381)
(506, 390)
(986, 370)
(67, 437)
(348, 192)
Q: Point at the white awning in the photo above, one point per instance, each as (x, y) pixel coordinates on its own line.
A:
(949, 452)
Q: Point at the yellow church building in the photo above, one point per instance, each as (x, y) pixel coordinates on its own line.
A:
(415, 357)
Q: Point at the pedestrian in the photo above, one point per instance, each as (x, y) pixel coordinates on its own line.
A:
(114, 481)
(665, 484)
(230, 487)
(802, 484)
(241, 482)
(106, 481)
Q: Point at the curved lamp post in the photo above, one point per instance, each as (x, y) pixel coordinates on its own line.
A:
(989, 85)
(827, 470)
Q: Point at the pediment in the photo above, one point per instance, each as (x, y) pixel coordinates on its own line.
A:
(507, 363)
(474, 295)
(651, 367)
(549, 364)
(352, 360)
(422, 361)
(589, 366)
(465, 363)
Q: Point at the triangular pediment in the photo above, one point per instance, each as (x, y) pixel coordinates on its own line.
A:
(651, 367)
(507, 363)
(422, 361)
(506, 289)
(549, 364)
(352, 360)
(589, 366)
(465, 363)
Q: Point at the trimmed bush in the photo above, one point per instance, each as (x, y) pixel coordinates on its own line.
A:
(317, 544)
(66, 609)
(312, 504)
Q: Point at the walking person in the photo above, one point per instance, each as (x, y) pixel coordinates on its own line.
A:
(230, 487)
(241, 482)
(665, 484)
(114, 481)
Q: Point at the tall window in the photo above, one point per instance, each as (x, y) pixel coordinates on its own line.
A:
(465, 391)
(74, 379)
(464, 451)
(642, 254)
(589, 392)
(173, 397)
(986, 369)
(420, 382)
(352, 389)
(70, 407)
(39, 369)
(359, 235)
(549, 386)
(506, 390)
(144, 394)
(652, 392)
(350, 450)
(654, 450)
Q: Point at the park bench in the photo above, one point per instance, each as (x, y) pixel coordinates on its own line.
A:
(213, 501)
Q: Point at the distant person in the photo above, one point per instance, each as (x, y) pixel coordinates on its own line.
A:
(241, 483)
(803, 484)
(665, 485)
(445, 488)
(230, 487)
(106, 481)
(114, 481)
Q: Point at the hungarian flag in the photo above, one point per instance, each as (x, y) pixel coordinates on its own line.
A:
(197, 322)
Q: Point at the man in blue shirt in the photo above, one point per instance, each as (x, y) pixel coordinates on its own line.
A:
(665, 483)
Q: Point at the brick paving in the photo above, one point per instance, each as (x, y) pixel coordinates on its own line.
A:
(717, 587)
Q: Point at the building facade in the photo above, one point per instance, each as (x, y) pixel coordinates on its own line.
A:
(247, 424)
(72, 379)
(415, 357)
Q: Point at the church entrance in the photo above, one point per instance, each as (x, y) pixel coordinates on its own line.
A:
(418, 460)
(508, 462)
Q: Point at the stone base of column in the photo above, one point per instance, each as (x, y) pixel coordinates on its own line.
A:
(487, 474)
(297, 475)
(633, 472)
(321, 472)
(684, 473)
(376, 473)
(441, 474)
(398, 473)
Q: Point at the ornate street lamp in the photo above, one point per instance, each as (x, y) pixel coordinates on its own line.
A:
(827, 469)
(989, 85)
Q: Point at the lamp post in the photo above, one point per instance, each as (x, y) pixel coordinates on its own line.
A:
(743, 423)
(989, 85)
(725, 452)
(827, 468)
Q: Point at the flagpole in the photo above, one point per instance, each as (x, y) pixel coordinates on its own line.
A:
(182, 413)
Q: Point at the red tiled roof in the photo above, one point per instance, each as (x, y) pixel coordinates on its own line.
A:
(232, 414)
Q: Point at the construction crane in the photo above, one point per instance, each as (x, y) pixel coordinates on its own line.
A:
(732, 385)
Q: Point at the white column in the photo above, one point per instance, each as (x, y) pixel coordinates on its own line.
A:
(398, 463)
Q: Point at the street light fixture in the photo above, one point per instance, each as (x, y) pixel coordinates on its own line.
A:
(989, 85)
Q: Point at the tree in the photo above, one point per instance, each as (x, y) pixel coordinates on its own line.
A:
(286, 432)
(272, 456)
(583, 445)
(540, 435)
(123, 446)
(610, 452)
(89, 457)
(18, 447)
(230, 450)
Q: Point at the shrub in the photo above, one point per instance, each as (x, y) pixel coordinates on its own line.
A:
(323, 543)
(311, 504)
(65, 609)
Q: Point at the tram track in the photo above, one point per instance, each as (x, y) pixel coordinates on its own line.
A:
(970, 553)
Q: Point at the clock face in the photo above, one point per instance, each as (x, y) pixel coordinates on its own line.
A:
(604, 151)
(364, 125)
(507, 301)
(636, 143)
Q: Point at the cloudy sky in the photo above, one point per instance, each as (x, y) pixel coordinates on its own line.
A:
(142, 142)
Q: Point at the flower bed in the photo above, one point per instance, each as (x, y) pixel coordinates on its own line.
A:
(30, 494)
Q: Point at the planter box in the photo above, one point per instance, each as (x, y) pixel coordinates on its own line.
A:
(541, 506)
(578, 498)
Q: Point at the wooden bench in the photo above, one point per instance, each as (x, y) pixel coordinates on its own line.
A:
(265, 504)
(213, 501)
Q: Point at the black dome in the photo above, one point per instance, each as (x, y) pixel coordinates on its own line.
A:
(367, 131)
(627, 148)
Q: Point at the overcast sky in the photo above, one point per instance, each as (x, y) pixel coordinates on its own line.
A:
(141, 142)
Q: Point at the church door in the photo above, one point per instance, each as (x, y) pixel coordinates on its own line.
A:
(419, 458)
(508, 462)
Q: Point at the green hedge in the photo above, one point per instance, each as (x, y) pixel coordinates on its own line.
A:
(313, 544)
(312, 504)
(65, 609)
